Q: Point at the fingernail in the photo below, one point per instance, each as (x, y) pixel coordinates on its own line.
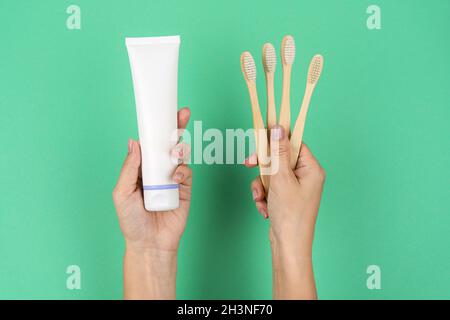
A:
(277, 133)
(255, 194)
(178, 177)
(174, 152)
(263, 212)
(130, 146)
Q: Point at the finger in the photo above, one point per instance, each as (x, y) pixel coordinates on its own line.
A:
(307, 162)
(251, 161)
(258, 192)
(305, 152)
(305, 158)
(129, 175)
(259, 196)
(183, 116)
(279, 150)
(262, 208)
(183, 175)
(140, 167)
(181, 151)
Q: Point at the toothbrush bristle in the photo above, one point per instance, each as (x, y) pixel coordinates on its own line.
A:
(269, 58)
(288, 50)
(248, 66)
(315, 69)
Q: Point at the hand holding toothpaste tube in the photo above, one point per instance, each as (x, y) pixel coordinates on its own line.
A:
(151, 239)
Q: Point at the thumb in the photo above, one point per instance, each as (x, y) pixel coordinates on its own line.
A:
(279, 149)
(129, 175)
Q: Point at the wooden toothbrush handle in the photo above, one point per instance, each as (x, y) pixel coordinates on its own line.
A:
(260, 133)
(285, 109)
(271, 111)
(262, 147)
(297, 134)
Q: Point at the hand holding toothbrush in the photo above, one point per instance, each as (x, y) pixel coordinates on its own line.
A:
(292, 204)
(289, 194)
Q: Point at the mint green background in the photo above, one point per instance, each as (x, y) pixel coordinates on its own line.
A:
(378, 123)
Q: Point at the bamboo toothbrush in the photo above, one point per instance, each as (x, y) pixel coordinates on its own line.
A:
(315, 69)
(269, 63)
(287, 59)
(249, 71)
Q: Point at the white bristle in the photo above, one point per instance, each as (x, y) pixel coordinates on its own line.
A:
(288, 50)
(269, 58)
(315, 69)
(248, 66)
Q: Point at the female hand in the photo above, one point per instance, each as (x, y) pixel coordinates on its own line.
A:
(152, 230)
(292, 205)
(151, 238)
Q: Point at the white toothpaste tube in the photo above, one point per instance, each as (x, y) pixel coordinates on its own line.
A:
(154, 68)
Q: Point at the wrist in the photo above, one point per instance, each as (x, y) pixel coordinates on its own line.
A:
(149, 273)
(288, 252)
(159, 262)
(292, 271)
(150, 252)
(294, 242)
(292, 276)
